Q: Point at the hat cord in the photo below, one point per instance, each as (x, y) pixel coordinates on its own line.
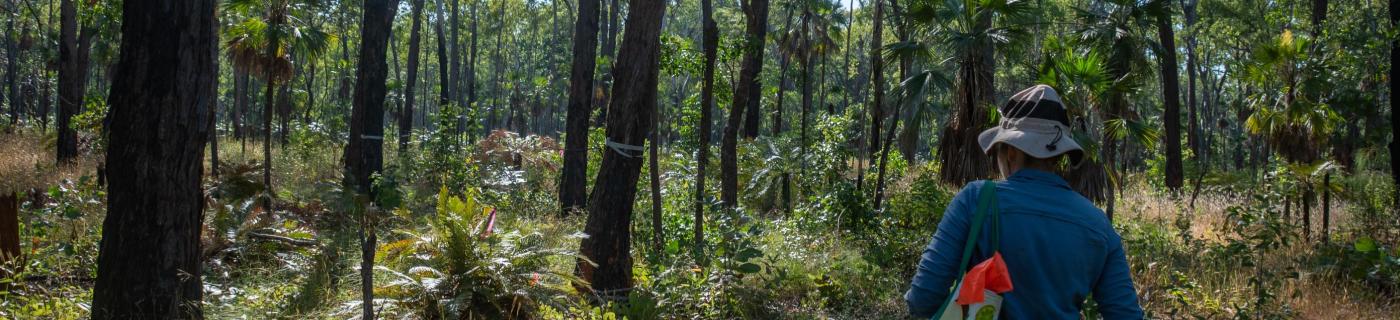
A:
(1058, 134)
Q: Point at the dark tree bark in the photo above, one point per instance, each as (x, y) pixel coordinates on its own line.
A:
(654, 168)
(414, 40)
(12, 69)
(634, 101)
(455, 60)
(364, 155)
(471, 63)
(1193, 130)
(877, 81)
(1319, 15)
(444, 82)
(609, 50)
(885, 159)
(72, 77)
(1395, 104)
(9, 230)
(573, 192)
(746, 95)
(240, 102)
(709, 44)
(1171, 98)
(149, 264)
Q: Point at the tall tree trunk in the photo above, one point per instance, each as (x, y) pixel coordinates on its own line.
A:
(240, 102)
(270, 83)
(406, 115)
(455, 76)
(364, 155)
(1193, 133)
(444, 82)
(746, 95)
(615, 191)
(781, 89)
(877, 80)
(148, 265)
(471, 63)
(1319, 15)
(657, 232)
(214, 141)
(884, 160)
(9, 233)
(1326, 207)
(709, 44)
(1171, 97)
(12, 69)
(573, 193)
(609, 51)
(284, 111)
(72, 77)
(1395, 104)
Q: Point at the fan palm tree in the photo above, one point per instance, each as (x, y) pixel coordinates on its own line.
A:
(971, 29)
(1121, 30)
(1289, 112)
(263, 46)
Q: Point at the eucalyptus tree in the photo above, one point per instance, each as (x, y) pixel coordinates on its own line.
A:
(608, 267)
(746, 96)
(149, 263)
(1394, 12)
(572, 189)
(263, 44)
(709, 44)
(73, 53)
(364, 154)
(1171, 99)
(406, 114)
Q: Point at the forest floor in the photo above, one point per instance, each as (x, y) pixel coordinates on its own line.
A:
(1232, 256)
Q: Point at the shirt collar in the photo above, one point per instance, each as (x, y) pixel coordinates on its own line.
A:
(1039, 176)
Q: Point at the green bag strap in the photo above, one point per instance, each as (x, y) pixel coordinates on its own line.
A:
(987, 202)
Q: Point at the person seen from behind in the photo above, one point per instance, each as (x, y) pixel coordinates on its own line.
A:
(1058, 248)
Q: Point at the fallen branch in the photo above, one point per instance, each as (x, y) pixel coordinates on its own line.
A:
(287, 240)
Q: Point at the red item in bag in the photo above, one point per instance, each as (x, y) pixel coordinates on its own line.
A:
(989, 275)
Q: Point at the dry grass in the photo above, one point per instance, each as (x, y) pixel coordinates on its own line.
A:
(26, 162)
(1220, 287)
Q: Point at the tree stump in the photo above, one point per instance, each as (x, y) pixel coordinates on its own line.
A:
(9, 230)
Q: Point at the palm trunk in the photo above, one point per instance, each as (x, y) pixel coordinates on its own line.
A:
(149, 262)
(963, 160)
(615, 191)
(573, 193)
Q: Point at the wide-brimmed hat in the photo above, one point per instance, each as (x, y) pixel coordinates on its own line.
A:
(1034, 121)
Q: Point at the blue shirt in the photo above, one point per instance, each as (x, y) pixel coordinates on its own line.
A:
(1058, 248)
